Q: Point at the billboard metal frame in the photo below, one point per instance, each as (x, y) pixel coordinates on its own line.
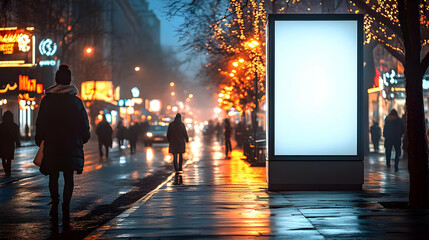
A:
(272, 18)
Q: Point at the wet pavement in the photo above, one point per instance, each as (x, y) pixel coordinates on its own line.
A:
(106, 187)
(225, 198)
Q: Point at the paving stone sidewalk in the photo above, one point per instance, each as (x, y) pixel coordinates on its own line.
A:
(227, 199)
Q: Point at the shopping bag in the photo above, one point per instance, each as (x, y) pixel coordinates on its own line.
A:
(39, 155)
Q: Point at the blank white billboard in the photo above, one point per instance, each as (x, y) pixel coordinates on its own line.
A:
(315, 88)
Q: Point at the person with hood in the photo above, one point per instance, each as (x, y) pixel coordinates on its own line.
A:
(62, 124)
(392, 133)
(9, 140)
(177, 136)
(375, 135)
(104, 134)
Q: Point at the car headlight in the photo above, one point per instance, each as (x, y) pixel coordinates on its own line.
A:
(149, 134)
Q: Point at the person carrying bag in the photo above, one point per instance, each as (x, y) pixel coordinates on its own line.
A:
(62, 126)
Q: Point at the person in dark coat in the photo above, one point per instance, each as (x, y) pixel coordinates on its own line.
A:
(177, 136)
(392, 133)
(133, 134)
(62, 123)
(375, 135)
(104, 133)
(121, 134)
(227, 133)
(9, 140)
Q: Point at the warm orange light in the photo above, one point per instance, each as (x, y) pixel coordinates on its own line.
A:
(235, 64)
(191, 95)
(172, 84)
(149, 117)
(241, 60)
(253, 44)
(173, 93)
(231, 74)
(88, 50)
(137, 69)
(97, 90)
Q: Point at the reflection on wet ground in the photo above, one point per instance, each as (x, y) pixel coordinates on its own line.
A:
(224, 197)
(24, 195)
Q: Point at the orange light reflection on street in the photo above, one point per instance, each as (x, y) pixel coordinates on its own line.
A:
(149, 156)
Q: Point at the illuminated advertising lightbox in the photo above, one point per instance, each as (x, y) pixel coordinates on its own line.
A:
(315, 87)
(17, 47)
(97, 90)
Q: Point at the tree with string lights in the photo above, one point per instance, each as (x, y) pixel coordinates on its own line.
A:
(402, 27)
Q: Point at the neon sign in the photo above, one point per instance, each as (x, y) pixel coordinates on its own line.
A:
(8, 87)
(17, 47)
(47, 47)
(29, 85)
(47, 63)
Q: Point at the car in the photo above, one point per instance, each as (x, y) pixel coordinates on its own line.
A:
(156, 134)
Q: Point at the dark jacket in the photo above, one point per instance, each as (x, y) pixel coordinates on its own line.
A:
(393, 130)
(104, 133)
(9, 136)
(375, 132)
(133, 132)
(63, 124)
(177, 136)
(121, 132)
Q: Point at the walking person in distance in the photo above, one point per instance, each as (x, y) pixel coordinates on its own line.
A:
(375, 135)
(177, 138)
(227, 133)
(9, 140)
(104, 134)
(392, 133)
(62, 123)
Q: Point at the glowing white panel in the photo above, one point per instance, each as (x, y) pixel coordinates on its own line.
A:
(315, 88)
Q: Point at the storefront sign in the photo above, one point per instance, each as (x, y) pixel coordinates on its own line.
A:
(9, 88)
(17, 47)
(47, 47)
(97, 90)
(47, 63)
(29, 85)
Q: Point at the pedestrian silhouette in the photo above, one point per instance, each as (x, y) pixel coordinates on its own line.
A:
(62, 123)
(104, 134)
(9, 140)
(375, 135)
(392, 133)
(121, 134)
(227, 133)
(218, 130)
(177, 136)
(133, 134)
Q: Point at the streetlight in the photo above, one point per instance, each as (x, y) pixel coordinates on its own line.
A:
(89, 50)
(137, 69)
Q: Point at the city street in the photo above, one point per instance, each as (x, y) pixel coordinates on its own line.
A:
(104, 189)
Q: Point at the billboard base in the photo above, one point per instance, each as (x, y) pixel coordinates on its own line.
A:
(314, 175)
